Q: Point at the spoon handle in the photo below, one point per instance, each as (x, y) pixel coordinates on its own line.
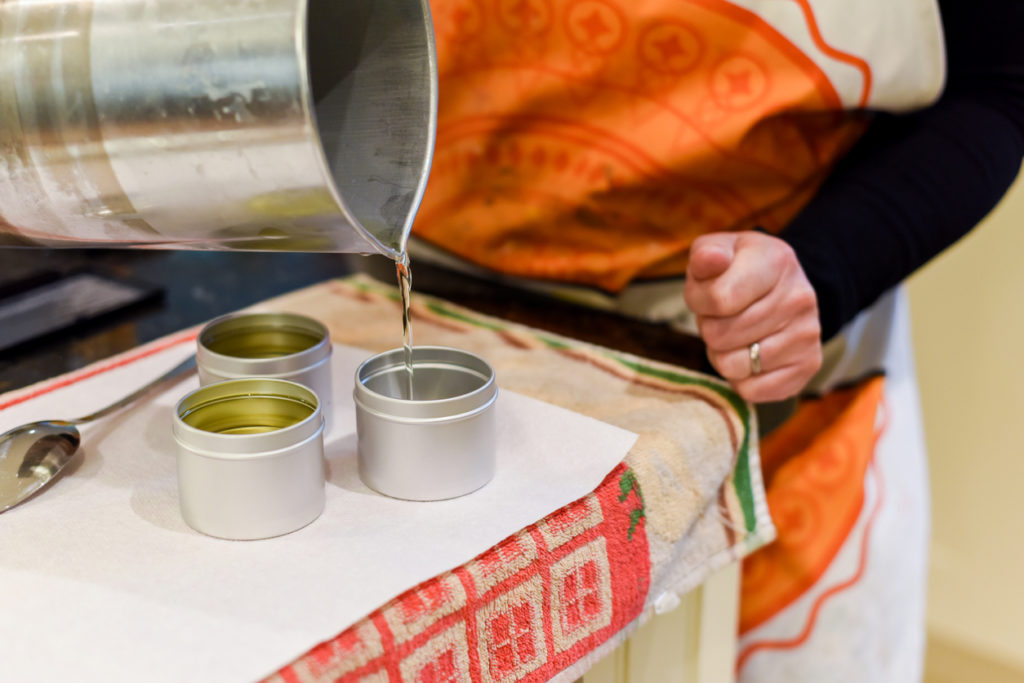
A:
(184, 367)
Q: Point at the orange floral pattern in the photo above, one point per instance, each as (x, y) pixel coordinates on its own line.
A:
(593, 140)
(814, 472)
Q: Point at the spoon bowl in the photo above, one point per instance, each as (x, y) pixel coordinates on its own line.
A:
(34, 454)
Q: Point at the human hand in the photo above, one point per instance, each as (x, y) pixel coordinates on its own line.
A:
(746, 288)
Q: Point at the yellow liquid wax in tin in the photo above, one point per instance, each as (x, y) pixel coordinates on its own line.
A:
(248, 414)
(263, 342)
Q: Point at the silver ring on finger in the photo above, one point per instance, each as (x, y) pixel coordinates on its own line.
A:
(755, 358)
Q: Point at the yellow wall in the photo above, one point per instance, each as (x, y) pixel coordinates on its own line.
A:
(968, 316)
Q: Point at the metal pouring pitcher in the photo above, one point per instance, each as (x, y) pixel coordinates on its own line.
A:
(300, 125)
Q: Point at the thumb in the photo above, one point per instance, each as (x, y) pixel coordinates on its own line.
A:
(711, 255)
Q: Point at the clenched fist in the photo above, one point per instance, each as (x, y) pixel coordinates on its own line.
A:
(747, 288)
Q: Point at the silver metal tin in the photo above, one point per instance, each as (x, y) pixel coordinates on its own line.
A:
(250, 458)
(275, 345)
(440, 445)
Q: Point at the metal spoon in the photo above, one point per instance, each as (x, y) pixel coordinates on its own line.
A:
(32, 455)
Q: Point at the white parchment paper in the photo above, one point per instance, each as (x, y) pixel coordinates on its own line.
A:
(101, 580)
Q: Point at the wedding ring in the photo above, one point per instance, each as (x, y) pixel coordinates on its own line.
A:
(755, 359)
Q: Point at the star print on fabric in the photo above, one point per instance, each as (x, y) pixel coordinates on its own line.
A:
(461, 22)
(525, 15)
(525, 11)
(670, 47)
(738, 82)
(595, 26)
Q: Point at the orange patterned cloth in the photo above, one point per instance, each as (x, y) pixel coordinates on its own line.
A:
(814, 469)
(840, 595)
(591, 141)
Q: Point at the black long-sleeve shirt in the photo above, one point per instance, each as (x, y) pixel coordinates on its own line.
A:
(916, 183)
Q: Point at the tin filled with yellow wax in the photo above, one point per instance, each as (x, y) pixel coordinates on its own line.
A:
(284, 346)
(250, 458)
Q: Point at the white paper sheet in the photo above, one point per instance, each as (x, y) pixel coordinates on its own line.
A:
(101, 580)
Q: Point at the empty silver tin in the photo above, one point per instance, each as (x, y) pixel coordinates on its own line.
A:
(250, 458)
(439, 445)
(275, 345)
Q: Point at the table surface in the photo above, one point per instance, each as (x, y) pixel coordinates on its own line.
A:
(197, 286)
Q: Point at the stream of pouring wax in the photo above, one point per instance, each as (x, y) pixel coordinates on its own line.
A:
(405, 286)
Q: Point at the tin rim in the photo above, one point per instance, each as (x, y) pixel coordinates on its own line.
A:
(240, 366)
(242, 446)
(437, 357)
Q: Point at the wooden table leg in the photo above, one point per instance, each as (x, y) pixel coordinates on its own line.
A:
(695, 643)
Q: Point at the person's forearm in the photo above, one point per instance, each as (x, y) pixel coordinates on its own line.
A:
(915, 183)
(916, 186)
